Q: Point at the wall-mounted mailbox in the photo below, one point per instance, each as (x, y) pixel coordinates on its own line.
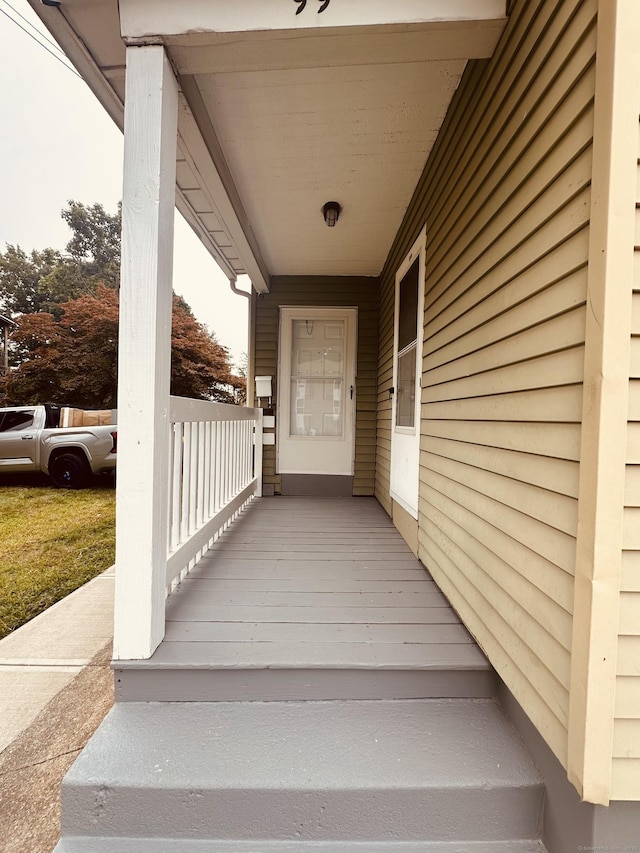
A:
(263, 386)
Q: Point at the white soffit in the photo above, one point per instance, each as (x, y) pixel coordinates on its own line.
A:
(296, 139)
(302, 118)
(342, 101)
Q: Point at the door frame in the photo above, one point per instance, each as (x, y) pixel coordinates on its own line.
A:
(288, 313)
(404, 480)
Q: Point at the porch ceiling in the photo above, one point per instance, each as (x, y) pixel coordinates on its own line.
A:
(274, 123)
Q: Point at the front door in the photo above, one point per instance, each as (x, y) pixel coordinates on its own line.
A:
(407, 363)
(316, 390)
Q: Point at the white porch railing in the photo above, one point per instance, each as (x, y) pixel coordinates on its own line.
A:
(215, 469)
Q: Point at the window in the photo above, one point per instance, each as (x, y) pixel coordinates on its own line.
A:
(407, 346)
(15, 421)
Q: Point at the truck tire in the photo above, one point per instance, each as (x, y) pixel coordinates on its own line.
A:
(69, 471)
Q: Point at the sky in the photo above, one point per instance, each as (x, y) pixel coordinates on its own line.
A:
(57, 144)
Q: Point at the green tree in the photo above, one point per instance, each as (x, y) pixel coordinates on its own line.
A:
(22, 279)
(42, 281)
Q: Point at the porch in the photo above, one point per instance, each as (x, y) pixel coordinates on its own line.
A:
(308, 598)
(314, 691)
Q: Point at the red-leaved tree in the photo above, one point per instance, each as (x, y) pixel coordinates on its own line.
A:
(71, 357)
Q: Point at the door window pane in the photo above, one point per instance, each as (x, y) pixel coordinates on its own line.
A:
(406, 390)
(408, 307)
(317, 380)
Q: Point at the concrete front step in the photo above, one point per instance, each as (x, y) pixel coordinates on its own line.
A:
(142, 845)
(293, 773)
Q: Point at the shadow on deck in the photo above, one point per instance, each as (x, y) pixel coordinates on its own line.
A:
(309, 598)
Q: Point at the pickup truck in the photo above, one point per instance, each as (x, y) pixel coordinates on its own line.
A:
(31, 440)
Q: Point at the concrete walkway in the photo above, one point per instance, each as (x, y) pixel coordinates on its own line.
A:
(38, 660)
(55, 687)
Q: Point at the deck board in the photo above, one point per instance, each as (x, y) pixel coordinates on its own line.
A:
(297, 594)
(300, 632)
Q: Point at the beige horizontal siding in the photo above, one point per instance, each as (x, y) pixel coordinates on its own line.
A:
(625, 783)
(629, 656)
(630, 579)
(506, 198)
(508, 654)
(361, 293)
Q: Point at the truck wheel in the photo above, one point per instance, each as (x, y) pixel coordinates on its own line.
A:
(69, 471)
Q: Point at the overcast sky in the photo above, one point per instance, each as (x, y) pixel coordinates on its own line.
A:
(56, 144)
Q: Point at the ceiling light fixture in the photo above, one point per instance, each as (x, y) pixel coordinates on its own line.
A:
(331, 212)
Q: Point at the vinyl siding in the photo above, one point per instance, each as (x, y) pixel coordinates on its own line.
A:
(626, 740)
(361, 293)
(506, 198)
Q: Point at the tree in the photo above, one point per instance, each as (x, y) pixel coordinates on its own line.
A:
(22, 279)
(200, 366)
(66, 307)
(71, 359)
(42, 281)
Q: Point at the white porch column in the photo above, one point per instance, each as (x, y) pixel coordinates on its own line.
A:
(150, 137)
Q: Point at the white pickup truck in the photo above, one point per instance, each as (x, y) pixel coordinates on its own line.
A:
(31, 440)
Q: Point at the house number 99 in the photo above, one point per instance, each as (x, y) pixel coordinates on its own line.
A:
(303, 3)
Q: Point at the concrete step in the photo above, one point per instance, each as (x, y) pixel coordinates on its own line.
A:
(140, 845)
(303, 773)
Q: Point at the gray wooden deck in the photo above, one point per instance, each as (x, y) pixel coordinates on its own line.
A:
(314, 598)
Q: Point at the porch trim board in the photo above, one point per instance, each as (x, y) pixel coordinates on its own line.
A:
(225, 16)
(605, 404)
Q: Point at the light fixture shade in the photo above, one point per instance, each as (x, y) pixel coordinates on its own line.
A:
(331, 213)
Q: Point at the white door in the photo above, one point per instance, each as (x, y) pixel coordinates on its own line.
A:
(407, 364)
(316, 390)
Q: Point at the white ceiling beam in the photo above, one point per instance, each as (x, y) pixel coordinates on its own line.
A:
(142, 18)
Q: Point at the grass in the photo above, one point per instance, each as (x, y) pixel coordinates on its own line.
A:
(51, 542)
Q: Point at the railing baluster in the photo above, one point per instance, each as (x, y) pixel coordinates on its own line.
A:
(206, 495)
(186, 483)
(176, 484)
(216, 469)
(234, 455)
(225, 463)
(200, 477)
(193, 477)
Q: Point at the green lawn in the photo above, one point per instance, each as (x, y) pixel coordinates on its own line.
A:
(51, 542)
